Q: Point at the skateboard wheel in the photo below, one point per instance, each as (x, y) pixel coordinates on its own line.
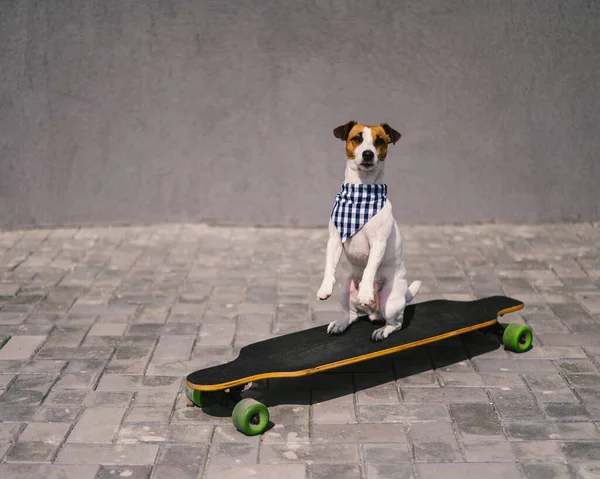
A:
(200, 398)
(250, 417)
(517, 337)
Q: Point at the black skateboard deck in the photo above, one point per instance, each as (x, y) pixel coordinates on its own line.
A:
(313, 350)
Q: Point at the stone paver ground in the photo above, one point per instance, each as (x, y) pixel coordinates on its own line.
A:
(99, 326)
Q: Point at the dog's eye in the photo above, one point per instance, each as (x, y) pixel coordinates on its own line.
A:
(357, 139)
(379, 142)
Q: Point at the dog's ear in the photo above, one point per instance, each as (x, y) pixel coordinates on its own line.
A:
(343, 131)
(393, 134)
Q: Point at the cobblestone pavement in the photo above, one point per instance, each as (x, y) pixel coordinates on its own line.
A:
(99, 326)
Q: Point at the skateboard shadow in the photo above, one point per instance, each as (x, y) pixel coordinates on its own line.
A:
(431, 366)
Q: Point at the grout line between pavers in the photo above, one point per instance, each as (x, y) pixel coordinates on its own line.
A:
(454, 426)
(152, 352)
(104, 368)
(86, 334)
(362, 469)
(410, 447)
(204, 469)
(69, 431)
(521, 469)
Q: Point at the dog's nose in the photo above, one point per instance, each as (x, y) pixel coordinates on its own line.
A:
(368, 155)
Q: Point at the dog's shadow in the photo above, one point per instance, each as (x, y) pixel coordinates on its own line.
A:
(406, 369)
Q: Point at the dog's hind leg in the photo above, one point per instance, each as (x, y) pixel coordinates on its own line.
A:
(393, 300)
(349, 292)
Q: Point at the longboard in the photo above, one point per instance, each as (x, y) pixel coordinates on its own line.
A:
(311, 351)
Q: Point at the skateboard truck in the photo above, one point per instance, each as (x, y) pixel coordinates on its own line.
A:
(248, 416)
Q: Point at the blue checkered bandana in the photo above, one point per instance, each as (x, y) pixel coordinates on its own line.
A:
(355, 205)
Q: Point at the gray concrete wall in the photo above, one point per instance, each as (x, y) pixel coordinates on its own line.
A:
(134, 111)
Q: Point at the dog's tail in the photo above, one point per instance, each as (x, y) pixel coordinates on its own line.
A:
(412, 290)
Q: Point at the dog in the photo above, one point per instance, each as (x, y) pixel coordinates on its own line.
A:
(376, 285)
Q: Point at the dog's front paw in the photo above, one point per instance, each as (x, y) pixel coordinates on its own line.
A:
(366, 296)
(382, 333)
(338, 326)
(325, 290)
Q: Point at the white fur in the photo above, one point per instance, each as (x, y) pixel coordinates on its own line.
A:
(375, 255)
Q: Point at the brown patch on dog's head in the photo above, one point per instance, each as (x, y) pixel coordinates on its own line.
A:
(352, 134)
(380, 141)
(379, 137)
(383, 135)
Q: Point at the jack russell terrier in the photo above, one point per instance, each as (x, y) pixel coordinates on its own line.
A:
(362, 225)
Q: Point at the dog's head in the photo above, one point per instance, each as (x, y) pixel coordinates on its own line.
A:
(366, 145)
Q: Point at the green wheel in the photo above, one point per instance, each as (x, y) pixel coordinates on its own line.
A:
(250, 417)
(200, 398)
(517, 337)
